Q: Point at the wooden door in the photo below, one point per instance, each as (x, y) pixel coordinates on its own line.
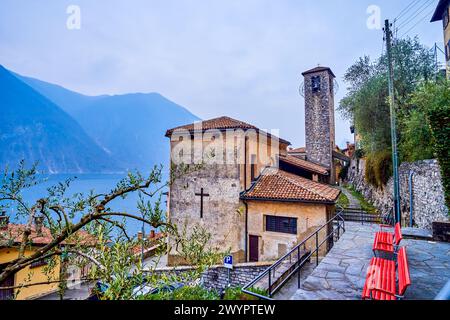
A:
(253, 248)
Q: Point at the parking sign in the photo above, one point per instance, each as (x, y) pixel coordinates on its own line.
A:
(228, 262)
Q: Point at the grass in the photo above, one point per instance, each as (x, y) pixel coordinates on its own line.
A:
(365, 205)
(343, 201)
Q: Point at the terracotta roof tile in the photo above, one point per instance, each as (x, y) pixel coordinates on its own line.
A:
(303, 164)
(14, 233)
(221, 123)
(275, 184)
(297, 150)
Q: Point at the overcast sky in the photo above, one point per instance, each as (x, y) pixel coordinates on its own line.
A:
(241, 58)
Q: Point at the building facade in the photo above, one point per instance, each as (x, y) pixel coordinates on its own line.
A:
(255, 197)
(442, 13)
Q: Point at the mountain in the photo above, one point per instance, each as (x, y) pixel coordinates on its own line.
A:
(35, 129)
(130, 127)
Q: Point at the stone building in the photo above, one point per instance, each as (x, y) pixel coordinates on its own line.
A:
(442, 13)
(256, 198)
(320, 147)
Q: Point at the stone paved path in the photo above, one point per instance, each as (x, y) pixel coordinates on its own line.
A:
(354, 202)
(291, 286)
(341, 274)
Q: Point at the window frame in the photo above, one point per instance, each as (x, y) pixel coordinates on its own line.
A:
(280, 225)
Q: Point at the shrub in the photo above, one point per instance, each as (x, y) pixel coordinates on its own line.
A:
(378, 168)
(383, 167)
(370, 171)
(185, 293)
(343, 201)
(235, 293)
(439, 120)
(434, 99)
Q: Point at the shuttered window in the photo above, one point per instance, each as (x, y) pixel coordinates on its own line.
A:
(281, 224)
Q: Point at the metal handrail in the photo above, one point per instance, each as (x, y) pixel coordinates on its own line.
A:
(296, 250)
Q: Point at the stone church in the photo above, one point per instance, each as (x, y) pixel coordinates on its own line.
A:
(257, 197)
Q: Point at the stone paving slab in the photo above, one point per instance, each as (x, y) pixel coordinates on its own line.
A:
(416, 233)
(341, 273)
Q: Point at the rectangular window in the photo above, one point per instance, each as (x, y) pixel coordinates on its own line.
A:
(253, 168)
(281, 224)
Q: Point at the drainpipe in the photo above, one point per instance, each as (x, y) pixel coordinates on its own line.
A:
(411, 173)
(245, 203)
(246, 231)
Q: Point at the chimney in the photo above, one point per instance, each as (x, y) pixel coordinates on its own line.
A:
(38, 222)
(4, 221)
(139, 235)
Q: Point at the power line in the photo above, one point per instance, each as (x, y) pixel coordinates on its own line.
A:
(417, 23)
(416, 13)
(406, 10)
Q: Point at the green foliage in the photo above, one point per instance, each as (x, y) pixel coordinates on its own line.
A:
(365, 205)
(379, 168)
(343, 201)
(108, 251)
(185, 293)
(235, 293)
(434, 99)
(198, 292)
(366, 103)
(369, 174)
(359, 153)
(417, 142)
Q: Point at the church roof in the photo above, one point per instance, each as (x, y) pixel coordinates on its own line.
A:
(278, 185)
(297, 150)
(303, 164)
(221, 123)
(318, 69)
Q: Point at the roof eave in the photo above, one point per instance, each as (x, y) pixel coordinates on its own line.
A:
(316, 71)
(288, 200)
(437, 15)
(322, 173)
(170, 132)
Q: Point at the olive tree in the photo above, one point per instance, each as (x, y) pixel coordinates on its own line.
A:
(85, 230)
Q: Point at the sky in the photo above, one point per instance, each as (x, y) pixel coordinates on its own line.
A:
(240, 58)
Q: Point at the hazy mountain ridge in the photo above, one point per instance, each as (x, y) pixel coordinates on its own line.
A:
(35, 129)
(128, 129)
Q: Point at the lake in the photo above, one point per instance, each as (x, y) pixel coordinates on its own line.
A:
(83, 183)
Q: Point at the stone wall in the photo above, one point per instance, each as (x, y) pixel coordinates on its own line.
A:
(319, 119)
(221, 216)
(427, 191)
(216, 277)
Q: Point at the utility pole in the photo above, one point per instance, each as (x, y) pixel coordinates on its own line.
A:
(436, 62)
(388, 35)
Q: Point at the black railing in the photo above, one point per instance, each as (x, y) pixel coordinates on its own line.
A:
(275, 276)
(358, 215)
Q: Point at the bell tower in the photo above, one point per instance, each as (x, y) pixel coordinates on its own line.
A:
(319, 117)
